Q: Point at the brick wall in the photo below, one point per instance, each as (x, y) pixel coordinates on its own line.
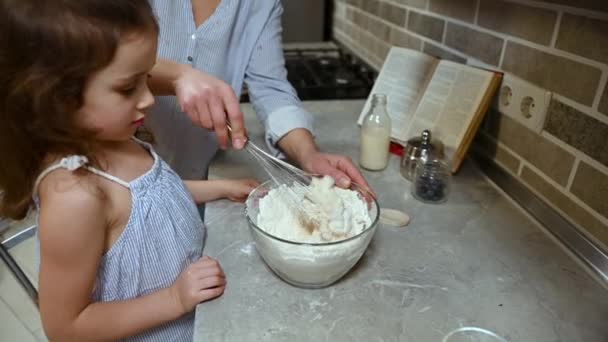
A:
(560, 45)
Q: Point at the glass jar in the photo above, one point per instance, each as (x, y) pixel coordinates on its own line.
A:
(419, 148)
(432, 181)
(375, 135)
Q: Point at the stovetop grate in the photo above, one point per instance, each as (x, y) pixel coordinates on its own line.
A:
(326, 73)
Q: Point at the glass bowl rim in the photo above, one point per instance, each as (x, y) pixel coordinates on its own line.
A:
(353, 184)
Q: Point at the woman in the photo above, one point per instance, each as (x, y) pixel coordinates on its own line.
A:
(238, 41)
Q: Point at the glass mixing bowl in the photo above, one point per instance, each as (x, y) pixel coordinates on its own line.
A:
(310, 265)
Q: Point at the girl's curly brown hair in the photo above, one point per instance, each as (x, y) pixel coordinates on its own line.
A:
(48, 50)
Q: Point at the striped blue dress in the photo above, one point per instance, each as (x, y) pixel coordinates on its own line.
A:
(164, 234)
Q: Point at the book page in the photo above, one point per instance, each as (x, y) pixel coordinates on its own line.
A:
(402, 78)
(449, 103)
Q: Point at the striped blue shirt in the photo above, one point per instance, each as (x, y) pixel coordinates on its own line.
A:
(239, 43)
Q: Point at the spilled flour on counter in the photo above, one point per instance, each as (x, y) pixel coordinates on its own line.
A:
(337, 213)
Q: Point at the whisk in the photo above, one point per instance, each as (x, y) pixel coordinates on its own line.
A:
(283, 173)
(279, 171)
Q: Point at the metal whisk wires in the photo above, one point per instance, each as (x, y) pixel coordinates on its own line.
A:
(279, 171)
(284, 174)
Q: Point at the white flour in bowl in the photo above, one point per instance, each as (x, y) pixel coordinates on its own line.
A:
(340, 214)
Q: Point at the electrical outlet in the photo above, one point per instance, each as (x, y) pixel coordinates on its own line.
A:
(523, 101)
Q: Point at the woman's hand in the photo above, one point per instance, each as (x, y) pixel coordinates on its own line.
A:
(238, 189)
(209, 102)
(340, 168)
(300, 146)
(199, 282)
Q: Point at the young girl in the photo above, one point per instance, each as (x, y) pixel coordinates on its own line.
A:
(120, 236)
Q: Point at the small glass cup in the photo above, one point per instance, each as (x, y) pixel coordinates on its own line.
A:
(432, 181)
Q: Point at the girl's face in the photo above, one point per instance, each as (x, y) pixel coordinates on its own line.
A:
(115, 97)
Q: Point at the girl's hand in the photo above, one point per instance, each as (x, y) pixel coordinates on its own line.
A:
(238, 189)
(200, 282)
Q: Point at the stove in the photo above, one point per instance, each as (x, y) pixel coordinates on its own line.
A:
(324, 73)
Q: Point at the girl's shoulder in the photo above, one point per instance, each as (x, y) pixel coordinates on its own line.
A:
(65, 184)
(62, 179)
(67, 196)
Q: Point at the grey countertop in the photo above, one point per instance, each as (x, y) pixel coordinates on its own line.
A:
(475, 261)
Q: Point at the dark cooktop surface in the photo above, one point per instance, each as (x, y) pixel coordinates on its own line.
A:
(326, 73)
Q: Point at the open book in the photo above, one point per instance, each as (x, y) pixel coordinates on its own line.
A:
(424, 92)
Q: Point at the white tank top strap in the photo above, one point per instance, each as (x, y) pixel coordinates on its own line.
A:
(108, 176)
(139, 141)
(146, 145)
(73, 163)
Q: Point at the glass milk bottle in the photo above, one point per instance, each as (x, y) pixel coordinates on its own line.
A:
(375, 135)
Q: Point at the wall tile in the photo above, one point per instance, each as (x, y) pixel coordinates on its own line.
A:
(603, 108)
(346, 28)
(578, 130)
(574, 211)
(394, 14)
(379, 29)
(365, 41)
(549, 158)
(353, 32)
(340, 9)
(400, 38)
(343, 39)
(530, 23)
(459, 9)
(371, 6)
(492, 150)
(598, 5)
(338, 23)
(591, 186)
(438, 52)
(360, 19)
(481, 45)
(342, 28)
(569, 78)
(381, 49)
(584, 36)
(425, 25)
(350, 14)
(413, 3)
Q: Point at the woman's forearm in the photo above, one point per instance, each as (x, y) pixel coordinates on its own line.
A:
(163, 76)
(298, 144)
